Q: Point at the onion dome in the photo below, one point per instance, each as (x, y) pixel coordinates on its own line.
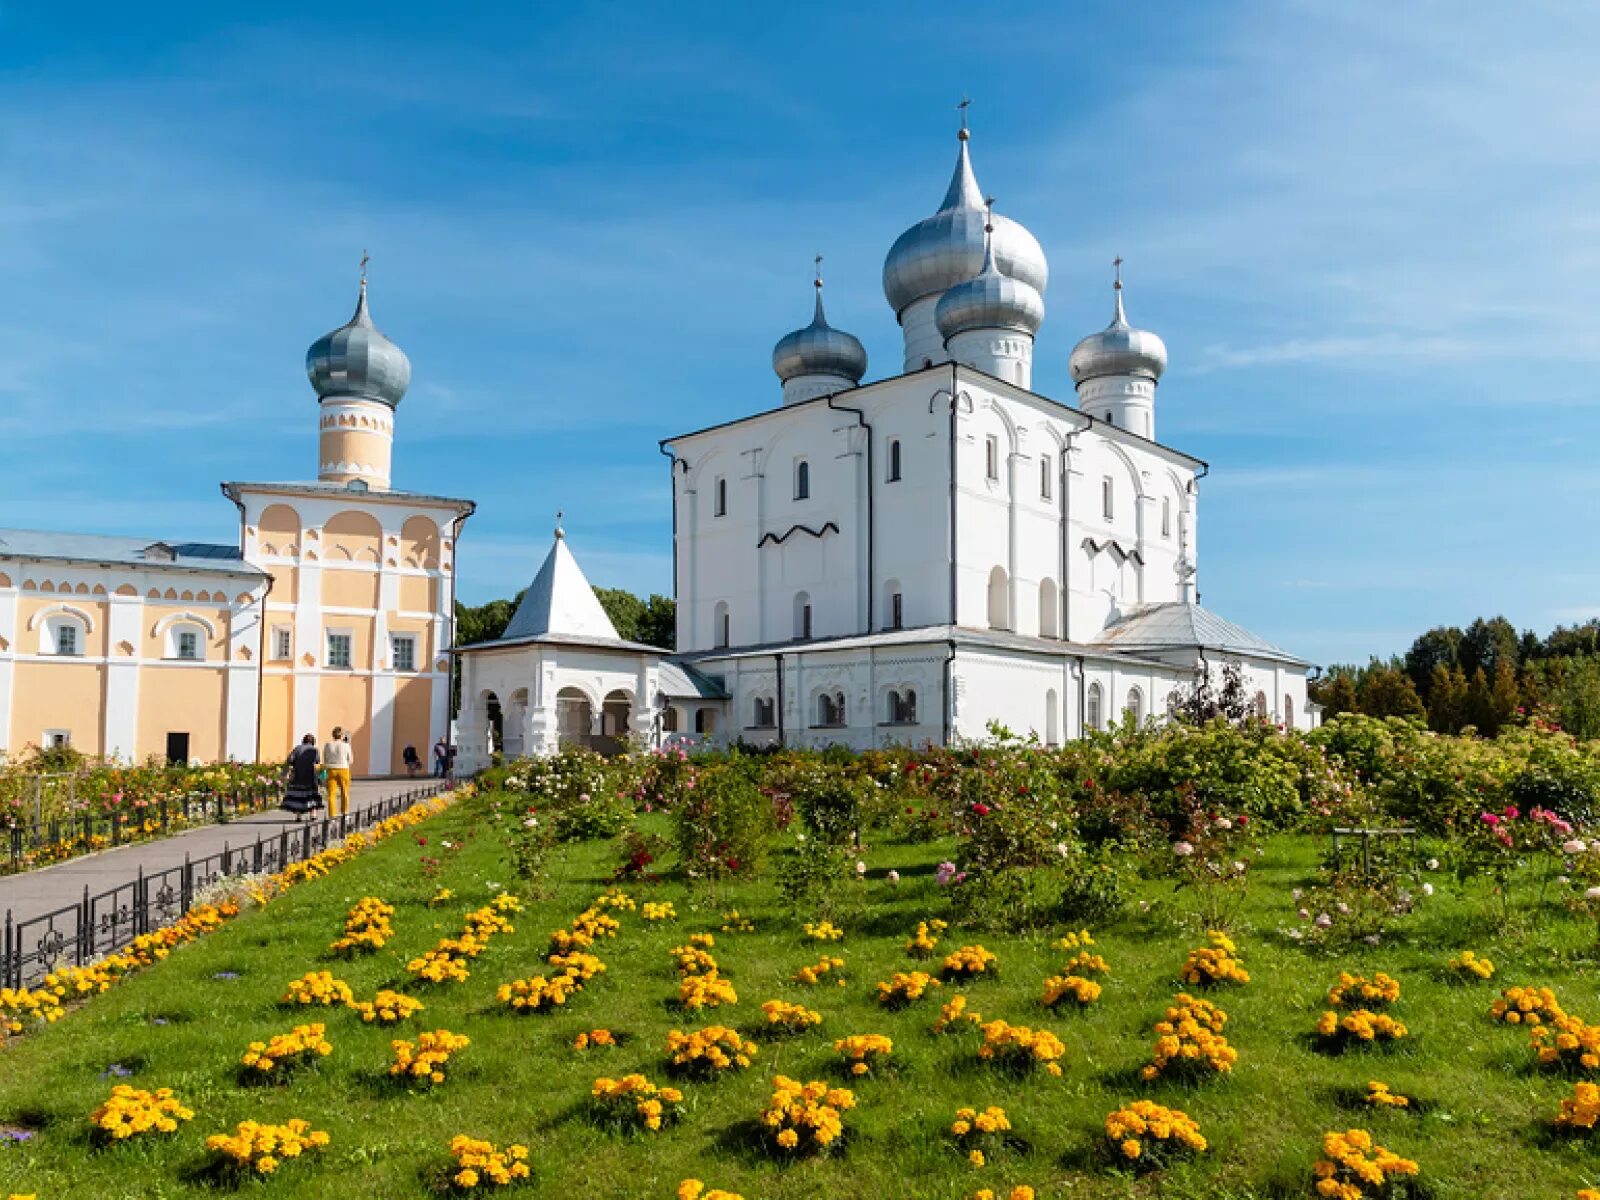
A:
(947, 248)
(1119, 348)
(989, 300)
(357, 362)
(819, 349)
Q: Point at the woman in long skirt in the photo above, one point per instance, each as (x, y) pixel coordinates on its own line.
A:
(303, 792)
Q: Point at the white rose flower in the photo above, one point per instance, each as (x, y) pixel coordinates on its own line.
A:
(1427, 889)
(1575, 846)
(1222, 823)
(1592, 894)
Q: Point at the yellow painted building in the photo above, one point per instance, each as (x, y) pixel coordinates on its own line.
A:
(333, 608)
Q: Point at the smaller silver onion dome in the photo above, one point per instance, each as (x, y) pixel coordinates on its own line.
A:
(357, 361)
(819, 349)
(1119, 348)
(989, 300)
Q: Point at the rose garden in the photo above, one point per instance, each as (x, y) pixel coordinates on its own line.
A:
(1205, 961)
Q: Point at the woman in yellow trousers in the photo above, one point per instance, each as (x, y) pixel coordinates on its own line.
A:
(336, 759)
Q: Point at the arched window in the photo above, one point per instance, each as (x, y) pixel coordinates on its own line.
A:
(705, 721)
(1261, 706)
(721, 491)
(721, 625)
(991, 458)
(669, 720)
(62, 634)
(186, 642)
(1288, 712)
(999, 599)
(1135, 706)
(894, 460)
(1049, 609)
(1108, 508)
(902, 707)
(1092, 707)
(766, 713)
(894, 616)
(1166, 516)
(802, 480)
(802, 615)
(1052, 718)
(830, 710)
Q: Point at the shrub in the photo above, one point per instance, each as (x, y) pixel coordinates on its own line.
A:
(722, 822)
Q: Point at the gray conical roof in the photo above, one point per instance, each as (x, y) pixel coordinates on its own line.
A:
(560, 602)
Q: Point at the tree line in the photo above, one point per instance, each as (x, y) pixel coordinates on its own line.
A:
(652, 621)
(1483, 678)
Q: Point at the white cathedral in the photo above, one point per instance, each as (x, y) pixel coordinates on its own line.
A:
(907, 560)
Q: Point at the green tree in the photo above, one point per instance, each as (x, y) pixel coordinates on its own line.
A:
(1387, 691)
(1439, 647)
(653, 622)
(1447, 699)
(485, 622)
(1505, 698)
(1336, 692)
(1485, 643)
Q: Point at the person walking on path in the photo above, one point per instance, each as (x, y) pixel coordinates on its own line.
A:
(441, 758)
(337, 757)
(303, 793)
(413, 763)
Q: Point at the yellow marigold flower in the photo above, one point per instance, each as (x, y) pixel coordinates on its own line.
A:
(814, 973)
(424, 1060)
(710, 1051)
(823, 931)
(902, 988)
(925, 940)
(1020, 1048)
(862, 1050)
(969, 962)
(790, 1018)
(132, 1112)
(1215, 963)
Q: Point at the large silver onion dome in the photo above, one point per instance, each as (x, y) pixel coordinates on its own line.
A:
(947, 248)
(1118, 349)
(989, 300)
(819, 349)
(356, 360)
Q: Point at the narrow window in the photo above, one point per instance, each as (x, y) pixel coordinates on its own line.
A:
(908, 707)
(722, 624)
(1107, 508)
(282, 642)
(1044, 478)
(897, 612)
(893, 715)
(894, 460)
(405, 651)
(188, 644)
(805, 621)
(1166, 516)
(339, 650)
(802, 480)
(991, 458)
(721, 508)
(66, 639)
(1091, 709)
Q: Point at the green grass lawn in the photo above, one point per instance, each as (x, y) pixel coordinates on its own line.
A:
(1481, 1132)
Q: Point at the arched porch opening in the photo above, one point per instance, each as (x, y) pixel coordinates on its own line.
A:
(574, 717)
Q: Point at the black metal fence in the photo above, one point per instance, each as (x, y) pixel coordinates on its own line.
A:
(37, 843)
(95, 926)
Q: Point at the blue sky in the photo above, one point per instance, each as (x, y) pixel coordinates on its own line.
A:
(1369, 233)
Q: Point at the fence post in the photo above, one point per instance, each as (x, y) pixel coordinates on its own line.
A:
(225, 859)
(186, 892)
(140, 917)
(5, 972)
(85, 922)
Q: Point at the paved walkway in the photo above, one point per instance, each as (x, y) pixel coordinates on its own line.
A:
(33, 893)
